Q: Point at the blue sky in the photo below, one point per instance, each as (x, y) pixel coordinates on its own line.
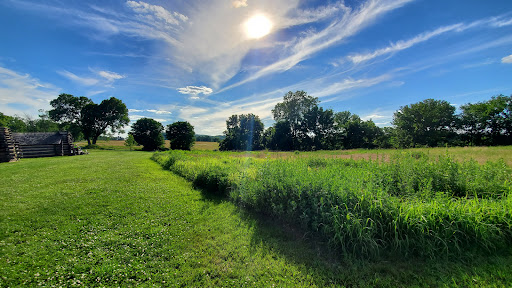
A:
(194, 60)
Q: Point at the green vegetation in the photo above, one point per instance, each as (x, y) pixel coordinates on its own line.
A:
(115, 218)
(148, 133)
(301, 124)
(407, 203)
(181, 135)
(85, 118)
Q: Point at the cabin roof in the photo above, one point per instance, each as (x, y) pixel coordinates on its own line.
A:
(39, 138)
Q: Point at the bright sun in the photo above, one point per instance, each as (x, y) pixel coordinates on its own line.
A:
(258, 26)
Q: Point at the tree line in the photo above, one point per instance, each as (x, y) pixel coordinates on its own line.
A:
(301, 124)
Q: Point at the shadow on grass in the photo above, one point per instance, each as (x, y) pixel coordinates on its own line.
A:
(328, 267)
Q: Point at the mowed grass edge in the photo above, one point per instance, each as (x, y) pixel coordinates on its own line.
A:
(115, 218)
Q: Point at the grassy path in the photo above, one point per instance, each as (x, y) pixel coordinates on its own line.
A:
(115, 218)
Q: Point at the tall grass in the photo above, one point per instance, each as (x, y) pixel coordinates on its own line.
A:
(408, 204)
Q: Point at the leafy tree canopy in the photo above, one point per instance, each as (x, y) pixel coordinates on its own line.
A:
(426, 123)
(148, 133)
(488, 122)
(244, 133)
(181, 135)
(308, 125)
(91, 119)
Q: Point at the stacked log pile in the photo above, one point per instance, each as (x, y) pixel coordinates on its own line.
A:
(8, 147)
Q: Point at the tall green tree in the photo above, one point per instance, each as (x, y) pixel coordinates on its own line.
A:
(426, 123)
(181, 135)
(243, 133)
(67, 111)
(148, 133)
(95, 119)
(488, 122)
(309, 126)
(81, 115)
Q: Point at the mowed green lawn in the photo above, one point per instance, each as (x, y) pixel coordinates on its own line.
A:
(115, 218)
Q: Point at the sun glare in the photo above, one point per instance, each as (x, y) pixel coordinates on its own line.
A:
(258, 26)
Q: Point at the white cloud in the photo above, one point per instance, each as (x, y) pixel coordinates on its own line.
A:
(501, 23)
(156, 13)
(135, 117)
(195, 90)
(154, 111)
(507, 59)
(80, 80)
(110, 76)
(160, 112)
(239, 3)
(23, 94)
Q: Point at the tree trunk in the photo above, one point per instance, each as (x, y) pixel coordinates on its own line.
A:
(88, 141)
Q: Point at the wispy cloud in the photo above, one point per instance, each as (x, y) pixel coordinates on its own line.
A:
(23, 94)
(134, 118)
(155, 13)
(423, 37)
(349, 84)
(507, 59)
(159, 112)
(351, 22)
(102, 78)
(401, 45)
(110, 76)
(85, 81)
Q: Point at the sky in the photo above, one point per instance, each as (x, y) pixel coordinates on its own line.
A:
(203, 61)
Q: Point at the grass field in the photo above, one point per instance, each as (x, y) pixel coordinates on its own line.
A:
(480, 154)
(119, 145)
(115, 218)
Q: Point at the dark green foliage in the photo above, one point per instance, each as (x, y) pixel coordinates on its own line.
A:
(302, 121)
(488, 122)
(181, 135)
(28, 124)
(244, 133)
(278, 137)
(427, 123)
(208, 138)
(80, 114)
(148, 133)
(95, 119)
(302, 125)
(353, 133)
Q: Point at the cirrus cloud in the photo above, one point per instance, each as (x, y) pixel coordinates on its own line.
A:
(507, 59)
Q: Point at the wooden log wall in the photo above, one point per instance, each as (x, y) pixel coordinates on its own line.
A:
(8, 148)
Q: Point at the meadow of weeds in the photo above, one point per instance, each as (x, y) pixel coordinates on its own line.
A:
(407, 203)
